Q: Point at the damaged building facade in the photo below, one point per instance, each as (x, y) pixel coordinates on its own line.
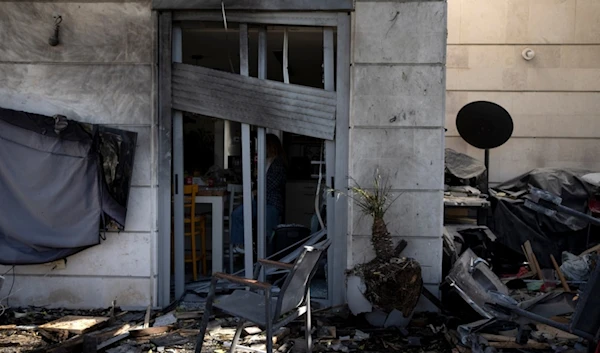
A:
(108, 68)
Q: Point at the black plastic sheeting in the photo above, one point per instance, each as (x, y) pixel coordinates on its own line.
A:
(514, 224)
(61, 184)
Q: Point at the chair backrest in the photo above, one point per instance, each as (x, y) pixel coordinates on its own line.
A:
(189, 198)
(294, 289)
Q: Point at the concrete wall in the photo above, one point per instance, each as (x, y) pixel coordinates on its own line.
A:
(102, 72)
(554, 99)
(396, 124)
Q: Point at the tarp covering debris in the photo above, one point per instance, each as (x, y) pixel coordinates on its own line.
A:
(59, 179)
(514, 223)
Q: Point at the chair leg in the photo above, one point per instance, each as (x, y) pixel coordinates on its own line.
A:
(194, 254)
(308, 326)
(230, 255)
(236, 337)
(205, 317)
(269, 317)
(203, 238)
(269, 342)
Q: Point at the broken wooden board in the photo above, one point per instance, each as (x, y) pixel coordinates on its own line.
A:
(563, 280)
(555, 333)
(498, 341)
(591, 250)
(147, 317)
(75, 324)
(514, 345)
(187, 315)
(533, 258)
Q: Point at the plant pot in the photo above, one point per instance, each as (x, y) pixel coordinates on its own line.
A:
(355, 292)
(358, 304)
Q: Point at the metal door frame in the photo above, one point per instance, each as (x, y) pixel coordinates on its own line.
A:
(336, 151)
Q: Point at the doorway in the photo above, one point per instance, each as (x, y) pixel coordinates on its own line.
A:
(209, 139)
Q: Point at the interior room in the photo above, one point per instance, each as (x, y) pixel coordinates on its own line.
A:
(213, 147)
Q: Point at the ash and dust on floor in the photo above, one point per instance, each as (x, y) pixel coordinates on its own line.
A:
(334, 330)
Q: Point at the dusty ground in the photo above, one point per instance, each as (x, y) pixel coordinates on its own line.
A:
(350, 334)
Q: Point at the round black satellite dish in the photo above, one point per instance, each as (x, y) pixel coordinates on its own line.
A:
(484, 125)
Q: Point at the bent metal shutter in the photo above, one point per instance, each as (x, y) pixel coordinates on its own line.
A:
(276, 105)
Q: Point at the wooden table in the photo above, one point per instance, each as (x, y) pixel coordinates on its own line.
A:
(216, 198)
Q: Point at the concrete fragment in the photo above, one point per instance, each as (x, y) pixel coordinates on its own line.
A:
(357, 302)
(165, 320)
(376, 318)
(359, 335)
(397, 319)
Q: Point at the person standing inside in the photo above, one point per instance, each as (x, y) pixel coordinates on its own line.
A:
(275, 185)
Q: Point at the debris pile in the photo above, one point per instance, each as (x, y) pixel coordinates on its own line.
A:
(35, 329)
(513, 280)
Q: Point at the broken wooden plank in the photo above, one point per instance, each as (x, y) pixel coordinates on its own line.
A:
(149, 331)
(112, 340)
(591, 250)
(147, 317)
(508, 342)
(169, 340)
(292, 108)
(189, 315)
(75, 324)
(497, 338)
(527, 257)
(71, 345)
(54, 336)
(531, 256)
(115, 335)
(74, 344)
(188, 331)
(532, 270)
(554, 333)
(562, 278)
(514, 345)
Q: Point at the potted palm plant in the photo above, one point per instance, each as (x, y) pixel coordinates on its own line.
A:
(388, 287)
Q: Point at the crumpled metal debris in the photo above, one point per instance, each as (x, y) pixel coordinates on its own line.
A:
(475, 282)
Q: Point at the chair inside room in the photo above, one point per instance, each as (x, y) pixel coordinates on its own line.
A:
(194, 227)
(236, 196)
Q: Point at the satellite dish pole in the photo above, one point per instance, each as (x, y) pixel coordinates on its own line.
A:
(484, 125)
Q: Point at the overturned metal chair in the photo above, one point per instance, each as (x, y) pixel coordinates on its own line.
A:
(258, 304)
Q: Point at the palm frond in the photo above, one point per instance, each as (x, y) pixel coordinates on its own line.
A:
(374, 201)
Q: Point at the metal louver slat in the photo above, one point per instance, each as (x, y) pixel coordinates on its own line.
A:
(292, 108)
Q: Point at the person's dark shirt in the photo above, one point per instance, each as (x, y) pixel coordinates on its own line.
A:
(276, 179)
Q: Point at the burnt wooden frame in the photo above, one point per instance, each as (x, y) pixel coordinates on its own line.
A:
(340, 20)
